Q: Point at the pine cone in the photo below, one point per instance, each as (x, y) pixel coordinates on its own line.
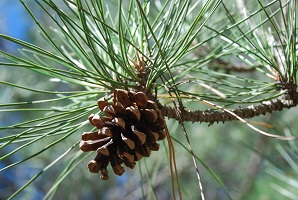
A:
(128, 131)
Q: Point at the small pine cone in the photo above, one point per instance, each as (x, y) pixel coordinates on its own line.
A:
(129, 130)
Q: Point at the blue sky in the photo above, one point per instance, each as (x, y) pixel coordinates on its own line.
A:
(14, 20)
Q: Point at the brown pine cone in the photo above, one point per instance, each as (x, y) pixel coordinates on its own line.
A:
(129, 130)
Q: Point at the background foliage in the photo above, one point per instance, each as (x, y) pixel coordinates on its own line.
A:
(224, 52)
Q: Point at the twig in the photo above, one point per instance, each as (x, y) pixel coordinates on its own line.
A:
(212, 116)
(219, 63)
(241, 67)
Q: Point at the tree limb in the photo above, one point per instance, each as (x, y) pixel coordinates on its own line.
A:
(287, 100)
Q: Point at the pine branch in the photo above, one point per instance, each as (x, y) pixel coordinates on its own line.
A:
(287, 100)
(232, 67)
(219, 63)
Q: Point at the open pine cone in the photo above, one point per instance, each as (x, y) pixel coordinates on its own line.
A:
(128, 131)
